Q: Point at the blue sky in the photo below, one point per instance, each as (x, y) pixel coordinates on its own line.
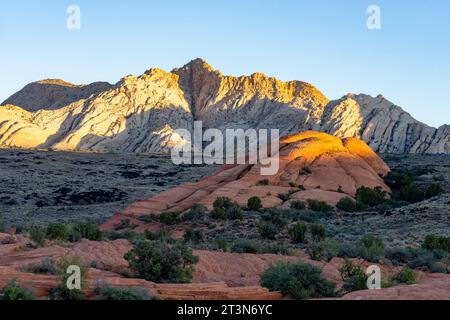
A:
(325, 43)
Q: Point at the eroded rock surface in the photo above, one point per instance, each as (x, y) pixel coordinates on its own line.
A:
(140, 114)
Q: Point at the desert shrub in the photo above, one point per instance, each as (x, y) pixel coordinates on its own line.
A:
(318, 232)
(275, 216)
(353, 276)
(89, 231)
(37, 235)
(411, 193)
(268, 230)
(369, 248)
(323, 251)
(434, 190)
(397, 180)
(298, 205)
(161, 235)
(193, 235)
(374, 248)
(254, 203)
(400, 256)
(298, 232)
(130, 235)
(196, 213)
(222, 244)
(13, 291)
(58, 231)
(161, 262)
(170, 218)
(253, 246)
(245, 246)
(438, 267)
(62, 292)
(264, 182)
(121, 294)
(433, 242)
(349, 205)
(297, 280)
(423, 259)
(226, 209)
(319, 206)
(406, 276)
(370, 197)
(46, 266)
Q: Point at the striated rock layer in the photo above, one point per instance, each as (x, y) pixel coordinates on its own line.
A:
(312, 165)
(140, 114)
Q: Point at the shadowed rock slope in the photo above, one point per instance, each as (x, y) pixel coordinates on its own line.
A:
(140, 114)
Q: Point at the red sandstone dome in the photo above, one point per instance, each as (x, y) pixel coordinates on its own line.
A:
(313, 165)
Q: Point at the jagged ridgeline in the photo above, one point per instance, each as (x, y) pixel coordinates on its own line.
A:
(141, 114)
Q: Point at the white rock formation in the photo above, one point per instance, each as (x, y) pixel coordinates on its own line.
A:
(140, 114)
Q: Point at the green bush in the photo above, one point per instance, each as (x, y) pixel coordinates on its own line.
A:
(298, 232)
(298, 205)
(370, 197)
(89, 231)
(268, 230)
(221, 244)
(349, 205)
(62, 292)
(411, 193)
(13, 291)
(319, 206)
(253, 246)
(195, 236)
(254, 203)
(46, 266)
(434, 190)
(275, 216)
(121, 294)
(58, 231)
(196, 213)
(161, 235)
(323, 251)
(170, 218)
(318, 232)
(374, 248)
(37, 235)
(161, 262)
(226, 209)
(297, 280)
(433, 242)
(405, 276)
(353, 276)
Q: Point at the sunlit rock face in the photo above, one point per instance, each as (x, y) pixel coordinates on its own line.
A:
(312, 165)
(140, 114)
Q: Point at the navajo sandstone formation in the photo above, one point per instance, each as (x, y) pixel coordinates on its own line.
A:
(327, 168)
(140, 114)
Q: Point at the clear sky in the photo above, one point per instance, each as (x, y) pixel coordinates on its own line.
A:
(323, 42)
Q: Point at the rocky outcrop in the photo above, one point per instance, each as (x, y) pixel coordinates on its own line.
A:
(384, 126)
(53, 94)
(140, 114)
(312, 165)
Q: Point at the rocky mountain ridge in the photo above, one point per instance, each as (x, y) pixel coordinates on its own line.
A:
(140, 114)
